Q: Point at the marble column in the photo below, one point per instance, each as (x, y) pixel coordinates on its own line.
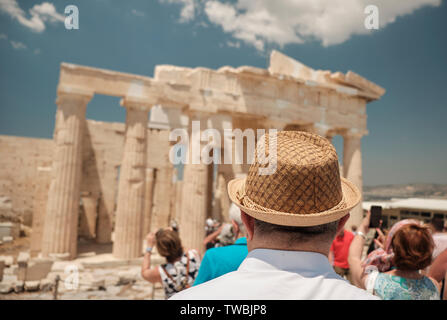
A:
(352, 170)
(194, 200)
(222, 201)
(163, 192)
(128, 238)
(43, 178)
(148, 199)
(177, 200)
(61, 218)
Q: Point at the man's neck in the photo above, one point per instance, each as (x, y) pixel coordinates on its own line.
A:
(306, 247)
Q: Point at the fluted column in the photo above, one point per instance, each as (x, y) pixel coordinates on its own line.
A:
(352, 170)
(61, 218)
(163, 192)
(222, 201)
(148, 200)
(131, 189)
(43, 178)
(194, 200)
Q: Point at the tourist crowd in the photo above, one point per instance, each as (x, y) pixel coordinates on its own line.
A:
(287, 240)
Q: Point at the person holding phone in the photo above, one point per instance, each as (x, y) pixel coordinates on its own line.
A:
(392, 272)
(376, 223)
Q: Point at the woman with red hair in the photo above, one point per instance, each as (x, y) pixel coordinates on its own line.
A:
(393, 272)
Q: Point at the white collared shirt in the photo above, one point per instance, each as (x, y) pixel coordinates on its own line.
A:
(278, 275)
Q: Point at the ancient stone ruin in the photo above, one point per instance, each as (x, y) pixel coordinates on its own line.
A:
(120, 174)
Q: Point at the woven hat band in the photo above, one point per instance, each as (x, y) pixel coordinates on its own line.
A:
(249, 203)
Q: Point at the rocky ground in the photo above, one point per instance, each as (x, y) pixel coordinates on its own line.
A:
(114, 288)
(90, 276)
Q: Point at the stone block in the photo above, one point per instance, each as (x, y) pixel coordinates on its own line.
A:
(46, 285)
(9, 278)
(31, 286)
(19, 286)
(111, 281)
(11, 270)
(61, 266)
(9, 229)
(22, 261)
(282, 64)
(113, 290)
(104, 261)
(127, 277)
(87, 254)
(60, 256)
(52, 276)
(89, 282)
(21, 275)
(7, 239)
(23, 258)
(6, 287)
(38, 269)
(98, 284)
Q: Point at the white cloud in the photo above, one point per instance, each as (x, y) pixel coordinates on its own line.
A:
(40, 14)
(18, 45)
(282, 22)
(235, 44)
(188, 10)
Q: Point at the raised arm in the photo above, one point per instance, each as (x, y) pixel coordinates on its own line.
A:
(355, 253)
(439, 267)
(148, 273)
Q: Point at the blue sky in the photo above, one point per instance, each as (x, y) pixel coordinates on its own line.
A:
(407, 142)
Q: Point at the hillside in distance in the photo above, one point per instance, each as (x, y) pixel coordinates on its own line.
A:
(417, 190)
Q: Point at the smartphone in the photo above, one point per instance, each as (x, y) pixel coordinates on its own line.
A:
(376, 216)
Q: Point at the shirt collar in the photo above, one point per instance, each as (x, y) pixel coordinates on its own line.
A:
(242, 240)
(308, 264)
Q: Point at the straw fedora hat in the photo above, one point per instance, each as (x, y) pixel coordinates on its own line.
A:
(305, 189)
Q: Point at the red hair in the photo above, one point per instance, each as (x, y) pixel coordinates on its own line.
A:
(413, 247)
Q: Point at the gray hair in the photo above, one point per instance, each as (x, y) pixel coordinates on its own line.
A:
(298, 234)
(235, 214)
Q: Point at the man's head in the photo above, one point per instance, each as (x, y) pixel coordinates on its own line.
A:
(318, 238)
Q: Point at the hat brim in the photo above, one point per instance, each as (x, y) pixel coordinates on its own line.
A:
(351, 198)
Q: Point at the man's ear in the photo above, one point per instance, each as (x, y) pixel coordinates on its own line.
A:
(249, 223)
(342, 222)
(235, 227)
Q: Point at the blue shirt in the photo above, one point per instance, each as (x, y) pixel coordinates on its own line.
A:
(219, 261)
